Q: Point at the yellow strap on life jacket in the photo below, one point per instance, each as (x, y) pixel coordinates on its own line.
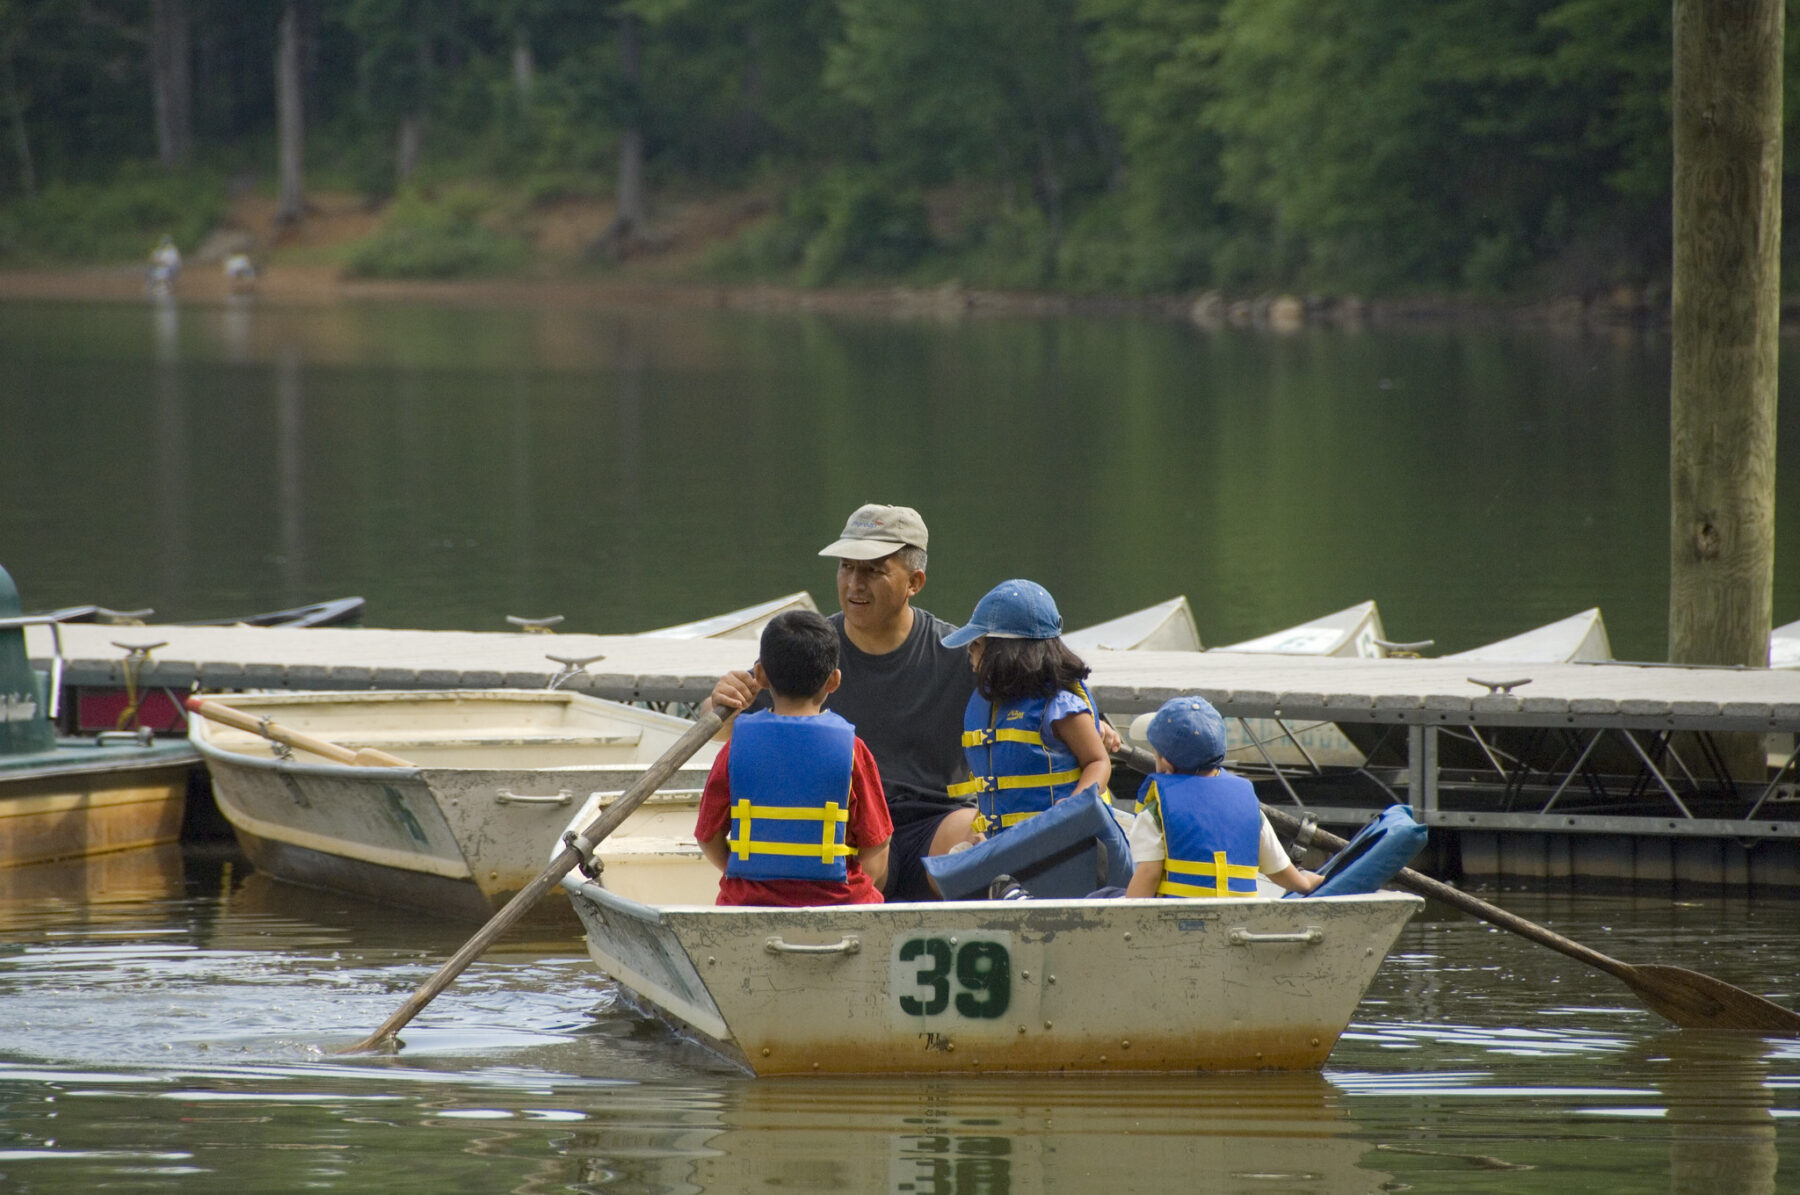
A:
(989, 736)
(980, 784)
(1219, 870)
(828, 850)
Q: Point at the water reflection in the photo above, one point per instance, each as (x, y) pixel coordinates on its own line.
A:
(98, 885)
(1508, 470)
(1722, 1133)
(166, 1023)
(1000, 1135)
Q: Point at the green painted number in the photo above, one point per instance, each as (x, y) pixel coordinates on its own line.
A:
(936, 977)
(984, 970)
(983, 976)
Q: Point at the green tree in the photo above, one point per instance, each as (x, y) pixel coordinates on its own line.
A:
(998, 92)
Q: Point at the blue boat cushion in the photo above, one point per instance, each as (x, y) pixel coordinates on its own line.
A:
(1065, 852)
(1374, 856)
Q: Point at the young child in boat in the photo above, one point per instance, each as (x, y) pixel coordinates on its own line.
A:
(793, 811)
(1200, 830)
(1031, 732)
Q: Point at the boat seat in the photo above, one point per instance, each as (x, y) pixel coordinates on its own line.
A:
(502, 738)
(1371, 858)
(1064, 853)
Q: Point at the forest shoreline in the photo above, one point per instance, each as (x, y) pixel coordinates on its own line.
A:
(288, 284)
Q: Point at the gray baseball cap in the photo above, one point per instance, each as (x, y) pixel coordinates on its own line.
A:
(875, 531)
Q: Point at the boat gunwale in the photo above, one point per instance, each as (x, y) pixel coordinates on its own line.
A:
(576, 883)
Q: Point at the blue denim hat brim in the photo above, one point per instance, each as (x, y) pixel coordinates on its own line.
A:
(1016, 609)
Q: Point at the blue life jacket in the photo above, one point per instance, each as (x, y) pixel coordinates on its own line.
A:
(1213, 828)
(790, 797)
(1017, 772)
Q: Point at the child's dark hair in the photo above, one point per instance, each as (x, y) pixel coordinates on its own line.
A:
(1015, 669)
(799, 652)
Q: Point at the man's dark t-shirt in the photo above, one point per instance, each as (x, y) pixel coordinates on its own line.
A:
(907, 705)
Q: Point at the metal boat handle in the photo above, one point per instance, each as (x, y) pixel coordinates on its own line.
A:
(1312, 935)
(661, 796)
(850, 944)
(507, 797)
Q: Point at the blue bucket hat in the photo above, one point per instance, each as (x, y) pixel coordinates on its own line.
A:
(1011, 610)
(1186, 731)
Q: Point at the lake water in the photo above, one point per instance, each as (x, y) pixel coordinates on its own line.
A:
(168, 1025)
(167, 1019)
(632, 469)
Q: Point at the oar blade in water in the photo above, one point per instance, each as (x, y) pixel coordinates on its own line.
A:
(1695, 1001)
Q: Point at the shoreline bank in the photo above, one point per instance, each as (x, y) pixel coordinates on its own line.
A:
(317, 285)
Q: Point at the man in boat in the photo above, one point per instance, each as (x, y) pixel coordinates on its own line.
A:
(792, 812)
(1200, 831)
(902, 690)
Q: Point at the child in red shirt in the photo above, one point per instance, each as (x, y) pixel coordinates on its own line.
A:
(793, 811)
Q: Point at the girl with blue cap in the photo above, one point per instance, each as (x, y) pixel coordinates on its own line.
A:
(1031, 732)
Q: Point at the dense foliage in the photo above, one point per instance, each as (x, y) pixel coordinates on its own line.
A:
(1482, 146)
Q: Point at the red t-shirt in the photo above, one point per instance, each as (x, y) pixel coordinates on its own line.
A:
(869, 826)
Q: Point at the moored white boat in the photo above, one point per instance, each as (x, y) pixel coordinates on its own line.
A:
(977, 987)
(1578, 637)
(1353, 631)
(746, 623)
(494, 776)
(1784, 646)
(1166, 626)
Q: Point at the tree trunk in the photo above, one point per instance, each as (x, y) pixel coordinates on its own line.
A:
(630, 219)
(1726, 307)
(524, 69)
(406, 147)
(171, 82)
(290, 119)
(21, 143)
(750, 99)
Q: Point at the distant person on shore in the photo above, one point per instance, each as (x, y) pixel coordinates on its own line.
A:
(165, 266)
(793, 812)
(240, 272)
(1200, 831)
(1031, 733)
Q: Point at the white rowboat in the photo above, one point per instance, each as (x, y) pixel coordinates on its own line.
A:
(1578, 637)
(1166, 626)
(976, 987)
(495, 776)
(1784, 646)
(746, 623)
(1353, 631)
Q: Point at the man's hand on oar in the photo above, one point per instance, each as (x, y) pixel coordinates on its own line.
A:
(657, 774)
(1687, 998)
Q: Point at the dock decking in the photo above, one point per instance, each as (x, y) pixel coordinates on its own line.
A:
(1452, 727)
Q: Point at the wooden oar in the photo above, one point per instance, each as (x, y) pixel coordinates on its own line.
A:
(363, 757)
(1687, 998)
(703, 729)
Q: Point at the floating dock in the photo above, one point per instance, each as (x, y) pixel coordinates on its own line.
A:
(1602, 770)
